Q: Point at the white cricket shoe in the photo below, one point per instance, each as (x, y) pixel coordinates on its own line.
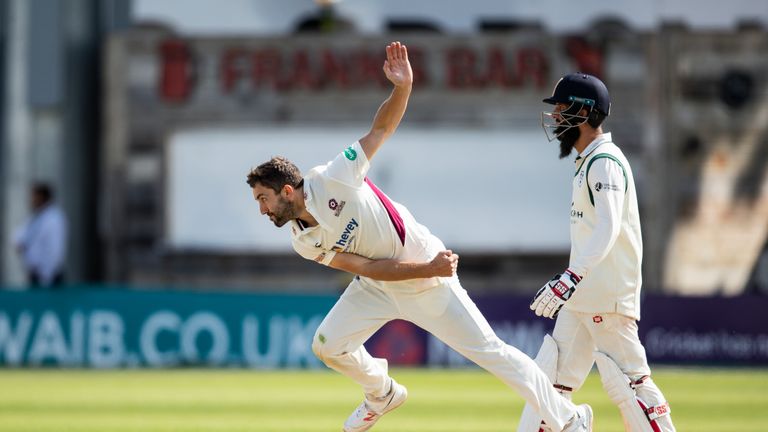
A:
(582, 421)
(370, 411)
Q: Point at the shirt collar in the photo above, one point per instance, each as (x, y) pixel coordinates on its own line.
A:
(601, 139)
(309, 204)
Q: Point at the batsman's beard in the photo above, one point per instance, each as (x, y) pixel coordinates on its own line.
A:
(567, 135)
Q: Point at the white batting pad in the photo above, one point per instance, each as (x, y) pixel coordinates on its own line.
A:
(617, 385)
(657, 408)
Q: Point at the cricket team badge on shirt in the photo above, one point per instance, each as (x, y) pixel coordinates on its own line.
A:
(336, 206)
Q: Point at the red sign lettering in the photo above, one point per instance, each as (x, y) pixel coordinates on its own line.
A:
(176, 71)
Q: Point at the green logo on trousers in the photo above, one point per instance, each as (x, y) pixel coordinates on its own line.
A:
(350, 153)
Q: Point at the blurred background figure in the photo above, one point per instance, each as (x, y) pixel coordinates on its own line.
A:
(325, 20)
(42, 240)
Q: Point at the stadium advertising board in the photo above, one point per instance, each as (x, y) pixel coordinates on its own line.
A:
(119, 329)
(109, 329)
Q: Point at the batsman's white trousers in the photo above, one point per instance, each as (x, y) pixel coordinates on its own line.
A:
(447, 312)
(579, 334)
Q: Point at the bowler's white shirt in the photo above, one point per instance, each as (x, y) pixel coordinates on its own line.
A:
(352, 218)
(43, 241)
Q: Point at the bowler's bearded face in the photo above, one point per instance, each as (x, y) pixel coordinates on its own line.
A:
(274, 205)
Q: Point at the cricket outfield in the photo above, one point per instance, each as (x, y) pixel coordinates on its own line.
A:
(187, 400)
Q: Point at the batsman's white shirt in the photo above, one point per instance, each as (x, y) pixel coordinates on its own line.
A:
(606, 243)
(354, 216)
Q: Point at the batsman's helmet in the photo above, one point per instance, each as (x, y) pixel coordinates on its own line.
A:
(581, 88)
(577, 91)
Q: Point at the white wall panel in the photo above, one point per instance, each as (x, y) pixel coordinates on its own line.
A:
(481, 190)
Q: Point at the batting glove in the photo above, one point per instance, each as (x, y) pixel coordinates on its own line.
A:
(552, 296)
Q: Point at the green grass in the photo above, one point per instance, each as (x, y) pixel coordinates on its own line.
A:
(702, 400)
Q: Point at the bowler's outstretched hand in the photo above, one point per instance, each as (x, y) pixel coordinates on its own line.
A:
(397, 68)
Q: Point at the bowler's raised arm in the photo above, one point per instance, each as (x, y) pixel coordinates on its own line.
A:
(397, 68)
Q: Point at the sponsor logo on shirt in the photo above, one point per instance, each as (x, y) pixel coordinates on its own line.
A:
(607, 186)
(350, 153)
(336, 206)
(576, 213)
(581, 178)
(346, 236)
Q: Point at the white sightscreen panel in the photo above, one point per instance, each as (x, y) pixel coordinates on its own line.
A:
(477, 189)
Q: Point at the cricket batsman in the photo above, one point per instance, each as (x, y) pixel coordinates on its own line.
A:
(339, 218)
(596, 300)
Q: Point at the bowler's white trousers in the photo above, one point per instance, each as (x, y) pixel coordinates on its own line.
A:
(448, 313)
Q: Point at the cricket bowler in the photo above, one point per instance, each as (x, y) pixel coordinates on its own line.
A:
(339, 218)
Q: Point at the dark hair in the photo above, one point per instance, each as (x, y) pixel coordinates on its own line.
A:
(43, 190)
(276, 173)
(596, 118)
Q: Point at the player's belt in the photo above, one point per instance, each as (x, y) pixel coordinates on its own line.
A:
(394, 216)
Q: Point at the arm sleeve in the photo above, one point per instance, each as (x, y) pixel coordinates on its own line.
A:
(350, 166)
(310, 252)
(607, 182)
